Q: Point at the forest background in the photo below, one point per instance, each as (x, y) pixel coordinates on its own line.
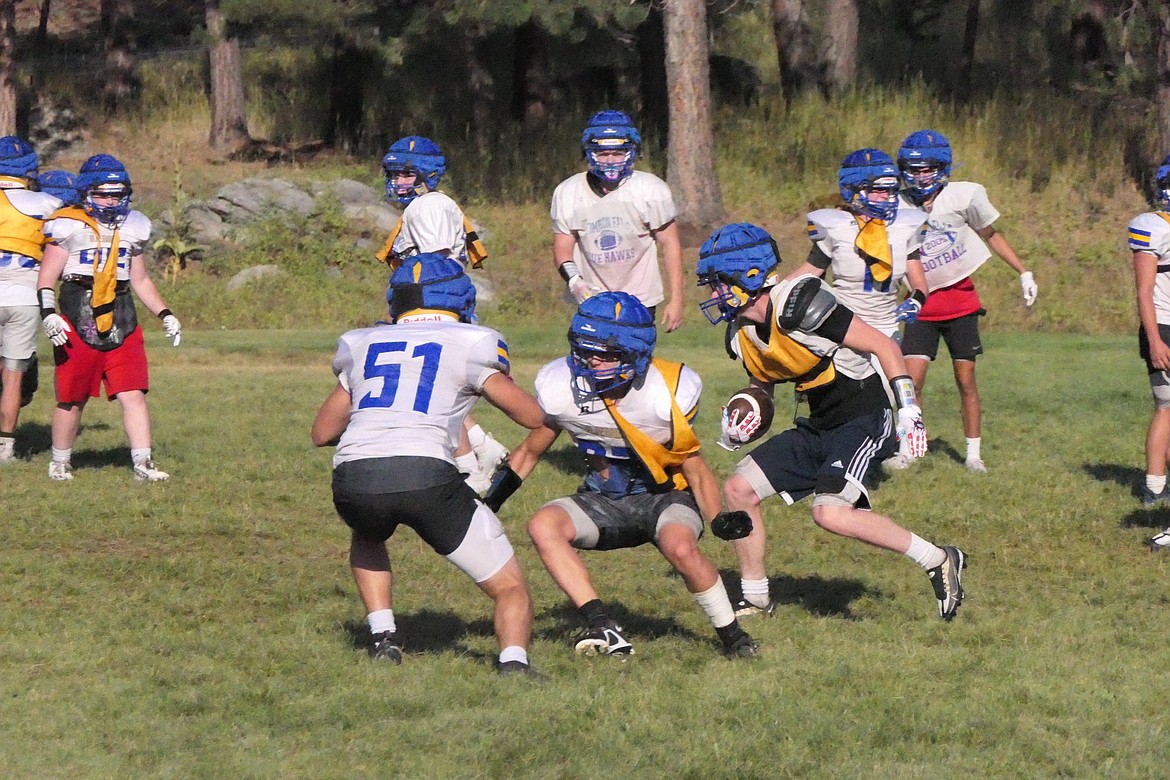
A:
(1052, 106)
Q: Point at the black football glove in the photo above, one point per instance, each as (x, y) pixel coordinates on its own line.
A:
(730, 526)
(505, 482)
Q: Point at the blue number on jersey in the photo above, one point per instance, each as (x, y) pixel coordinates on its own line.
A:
(874, 286)
(390, 373)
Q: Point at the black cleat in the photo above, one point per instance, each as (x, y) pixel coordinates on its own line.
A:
(386, 648)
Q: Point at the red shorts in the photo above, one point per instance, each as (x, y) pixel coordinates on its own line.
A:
(81, 369)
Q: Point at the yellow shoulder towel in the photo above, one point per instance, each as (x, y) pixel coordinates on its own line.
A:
(105, 277)
(19, 232)
(683, 443)
(786, 360)
(476, 251)
(873, 242)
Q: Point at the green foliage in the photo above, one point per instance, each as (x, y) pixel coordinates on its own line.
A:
(207, 627)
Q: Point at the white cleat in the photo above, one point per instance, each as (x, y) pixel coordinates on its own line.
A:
(146, 471)
(975, 466)
(60, 471)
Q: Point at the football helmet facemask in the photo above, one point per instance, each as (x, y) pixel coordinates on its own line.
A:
(610, 131)
(417, 155)
(863, 174)
(924, 161)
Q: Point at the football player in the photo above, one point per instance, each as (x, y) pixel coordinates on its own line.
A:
(796, 330)
(610, 221)
(1149, 240)
(96, 250)
(432, 223)
(872, 247)
(395, 415)
(629, 413)
(22, 217)
(959, 221)
(60, 184)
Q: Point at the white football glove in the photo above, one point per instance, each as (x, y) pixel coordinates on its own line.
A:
(173, 328)
(580, 289)
(911, 429)
(55, 328)
(736, 432)
(1028, 285)
(907, 311)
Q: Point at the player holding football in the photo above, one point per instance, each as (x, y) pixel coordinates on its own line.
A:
(432, 223)
(630, 414)
(610, 222)
(22, 241)
(395, 415)
(872, 247)
(96, 250)
(959, 220)
(796, 330)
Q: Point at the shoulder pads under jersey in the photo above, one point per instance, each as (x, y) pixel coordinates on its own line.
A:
(808, 304)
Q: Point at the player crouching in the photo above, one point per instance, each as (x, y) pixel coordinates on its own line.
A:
(395, 415)
(796, 331)
(630, 414)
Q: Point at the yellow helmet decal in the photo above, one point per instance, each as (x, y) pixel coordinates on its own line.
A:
(417, 271)
(617, 310)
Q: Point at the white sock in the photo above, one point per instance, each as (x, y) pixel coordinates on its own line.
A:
(513, 653)
(381, 621)
(755, 591)
(715, 604)
(1156, 484)
(62, 456)
(140, 455)
(476, 436)
(924, 553)
(467, 464)
(973, 448)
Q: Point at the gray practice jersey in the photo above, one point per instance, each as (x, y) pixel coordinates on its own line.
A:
(411, 385)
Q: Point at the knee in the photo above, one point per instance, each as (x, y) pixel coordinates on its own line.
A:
(738, 493)
(546, 528)
(831, 517)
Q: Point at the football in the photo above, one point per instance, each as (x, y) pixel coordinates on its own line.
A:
(753, 399)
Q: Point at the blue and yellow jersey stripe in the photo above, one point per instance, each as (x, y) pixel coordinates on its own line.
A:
(502, 354)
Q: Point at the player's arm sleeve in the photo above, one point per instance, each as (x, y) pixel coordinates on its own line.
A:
(489, 355)
(342, 362)
(979, 212)
(690, 388)
(659, 205)
(817, 257)
(561, 210)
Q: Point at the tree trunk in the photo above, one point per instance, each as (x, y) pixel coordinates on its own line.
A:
(655, 113)
(690, 155)
(122, 83)
(531, 90)
(481, 85)
(841, 29)
(794, 47)
(346, 95)
(42, 36)
(967, 53)
(7, 66)
(1162, 90)
(229, 122)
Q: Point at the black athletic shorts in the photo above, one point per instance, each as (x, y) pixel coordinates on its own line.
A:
(920, 338)
(440, 513)
(1144, 346)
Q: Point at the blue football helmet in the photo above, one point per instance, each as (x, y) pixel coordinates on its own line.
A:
(618, 328)
(17, 158)
(431, 281)
(925, 162)
(864, 172)
(103, 175)
(738, 262)
(60, 184)
(417, 155)
(609, 131)
(1162, 185)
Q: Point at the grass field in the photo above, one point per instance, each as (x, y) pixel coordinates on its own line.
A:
(208, 628)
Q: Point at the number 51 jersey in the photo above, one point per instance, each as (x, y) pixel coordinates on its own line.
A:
(411, 385)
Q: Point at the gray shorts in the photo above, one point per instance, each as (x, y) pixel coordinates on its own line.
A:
(617, 523)
(19, 326)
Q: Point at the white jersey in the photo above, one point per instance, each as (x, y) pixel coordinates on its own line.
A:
(952, 249)
(432, 222)
(18, 273)
(78, 239)
(411, 385)
(835, 231)
(1150, 233)
(647, 408)
(615, 248)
